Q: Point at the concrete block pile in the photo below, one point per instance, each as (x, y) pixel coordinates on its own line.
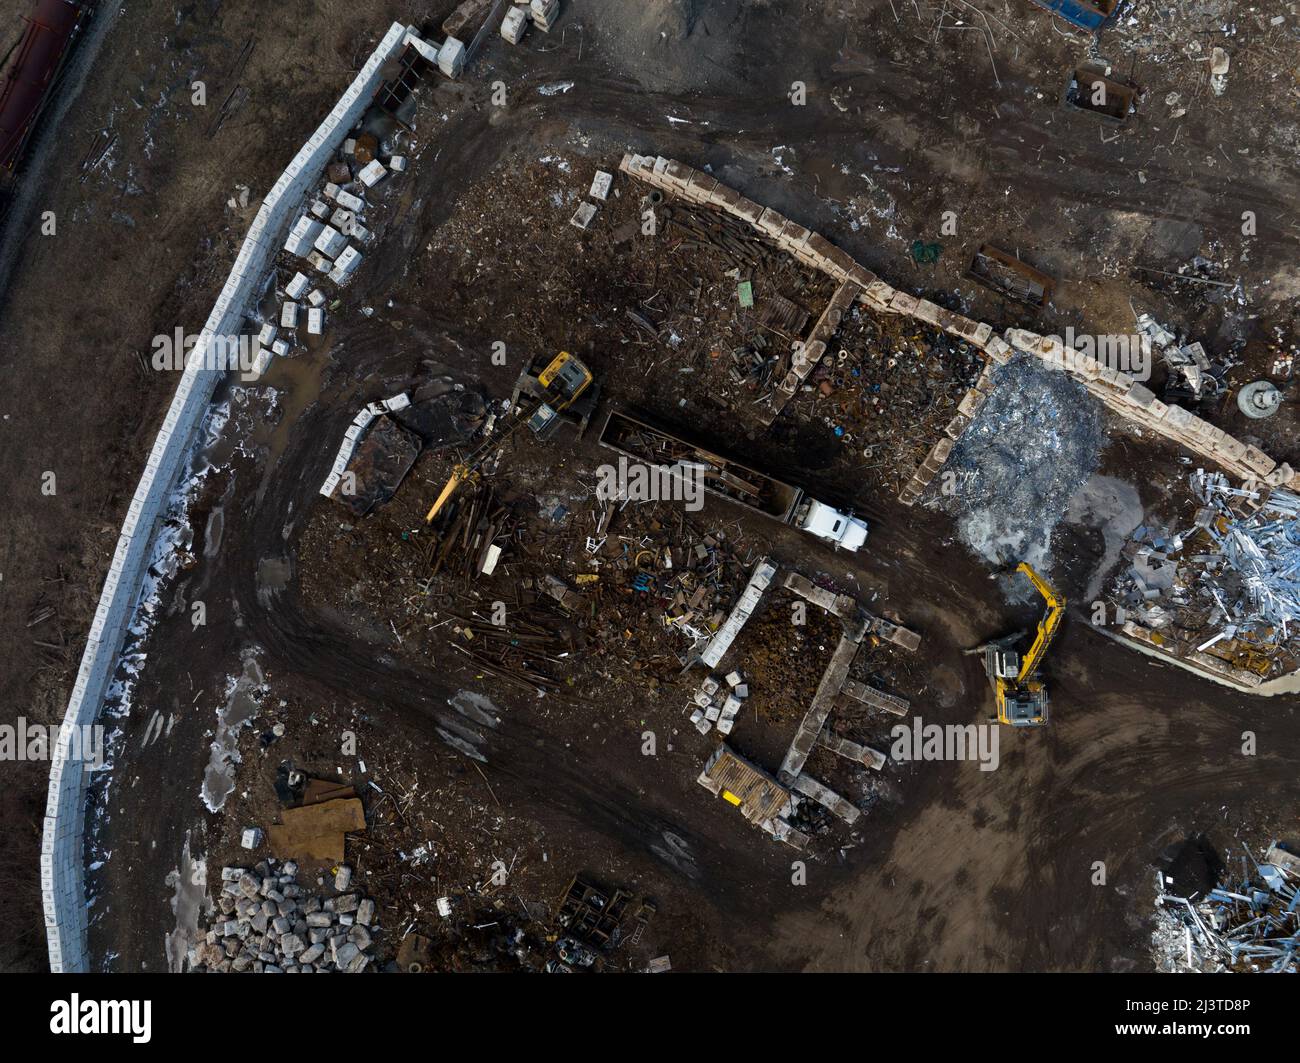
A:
(323, 242)
(717, 702)
(266, 923)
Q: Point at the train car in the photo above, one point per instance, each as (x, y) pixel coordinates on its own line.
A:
(31, 71)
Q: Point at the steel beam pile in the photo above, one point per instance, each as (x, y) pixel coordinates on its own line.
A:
(1262, 548)
(1250, 926)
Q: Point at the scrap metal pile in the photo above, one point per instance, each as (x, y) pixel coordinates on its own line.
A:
(1250, 926)
(1231, 583)
(1033, 444)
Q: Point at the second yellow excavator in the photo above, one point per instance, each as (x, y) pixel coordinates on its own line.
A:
(1020, 693)
(555, 389)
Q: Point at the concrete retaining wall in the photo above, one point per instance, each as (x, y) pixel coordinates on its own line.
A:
(1135, 402)
(61, 861)
(1125, 396)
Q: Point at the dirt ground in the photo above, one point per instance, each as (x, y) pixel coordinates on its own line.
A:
(951, 869)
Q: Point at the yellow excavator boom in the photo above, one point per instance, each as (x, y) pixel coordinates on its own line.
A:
(563, 380)
(1047, 627)
(458, 476)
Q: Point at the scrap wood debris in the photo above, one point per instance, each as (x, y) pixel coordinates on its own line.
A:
(1251, 926)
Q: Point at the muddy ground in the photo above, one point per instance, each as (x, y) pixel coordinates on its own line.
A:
(961, 869)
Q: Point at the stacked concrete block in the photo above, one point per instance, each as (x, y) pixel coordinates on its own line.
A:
(451, 57)
(601, 183)
(999, 350)
(63, 891)
(976, 333)
(372, 173)
(954, 428)
(878, 296)
(926, 472)
(902, 303)
(297, 286)
(1259, 463)
(544, 13)
(927, 311)
(515, 24)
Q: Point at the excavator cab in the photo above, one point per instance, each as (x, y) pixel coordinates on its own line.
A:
(565, 378)
(559, 384)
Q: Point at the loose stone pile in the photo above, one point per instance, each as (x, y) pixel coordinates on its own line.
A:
(265, 923)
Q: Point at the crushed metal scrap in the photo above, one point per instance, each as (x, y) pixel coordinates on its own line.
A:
(1229, 585)
(1250, 926)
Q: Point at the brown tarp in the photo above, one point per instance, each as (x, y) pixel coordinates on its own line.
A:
(314, 833)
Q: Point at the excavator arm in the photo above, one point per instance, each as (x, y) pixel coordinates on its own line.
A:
(459, 475)
(563, 380)
(1047, 627)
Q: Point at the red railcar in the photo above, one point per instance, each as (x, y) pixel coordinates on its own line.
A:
(32, 69)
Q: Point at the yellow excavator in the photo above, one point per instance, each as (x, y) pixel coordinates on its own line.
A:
(1020, 693)
(556, 388)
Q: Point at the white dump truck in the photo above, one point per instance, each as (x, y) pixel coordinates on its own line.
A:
(727, 478)
(830, 524)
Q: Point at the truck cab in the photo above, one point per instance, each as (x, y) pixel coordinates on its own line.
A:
(830, 524)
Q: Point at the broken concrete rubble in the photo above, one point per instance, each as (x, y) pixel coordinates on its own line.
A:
(307, 934)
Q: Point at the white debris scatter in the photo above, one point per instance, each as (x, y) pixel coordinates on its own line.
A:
(556, 88)
(240, 708)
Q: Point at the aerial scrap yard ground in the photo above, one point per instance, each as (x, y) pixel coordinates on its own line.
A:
(347, 658)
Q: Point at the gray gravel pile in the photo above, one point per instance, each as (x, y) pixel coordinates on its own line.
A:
(1010, 477)
(264, 922)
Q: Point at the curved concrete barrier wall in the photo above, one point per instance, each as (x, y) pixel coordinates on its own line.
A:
(62, 874)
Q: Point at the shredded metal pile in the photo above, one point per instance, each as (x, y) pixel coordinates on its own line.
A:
(1262, 549)
(1229, 585)
(1250, 926)
(1034, 443)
